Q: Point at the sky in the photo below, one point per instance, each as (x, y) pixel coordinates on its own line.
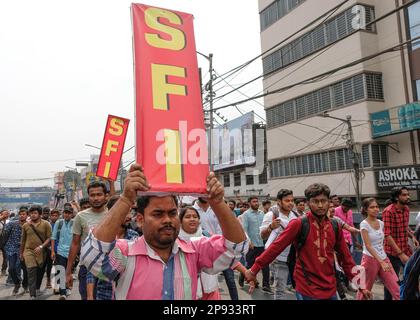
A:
(66, 65)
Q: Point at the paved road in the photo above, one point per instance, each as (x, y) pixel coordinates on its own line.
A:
(258, 294)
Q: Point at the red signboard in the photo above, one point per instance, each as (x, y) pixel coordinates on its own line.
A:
(170, 136)
(112, 147)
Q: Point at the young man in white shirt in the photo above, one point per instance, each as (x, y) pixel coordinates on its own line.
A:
(274, 222)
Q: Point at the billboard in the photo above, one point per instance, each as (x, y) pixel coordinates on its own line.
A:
(396, 120)
(233, 143)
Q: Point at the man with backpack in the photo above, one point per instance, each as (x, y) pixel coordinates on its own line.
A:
(61, 241)
(315, 239)
(274, 223)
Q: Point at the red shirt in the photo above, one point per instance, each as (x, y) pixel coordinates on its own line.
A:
(396, 225)
(317, 255)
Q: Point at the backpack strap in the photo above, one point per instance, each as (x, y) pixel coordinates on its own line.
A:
(336, 228)
(59, 226)
(304, 231)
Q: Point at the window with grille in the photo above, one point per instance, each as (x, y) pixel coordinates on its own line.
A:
(330, 161)
(365, 156)
(333, 96)
(226, 180)
(277, 10)
(374, 86)
(237, 179)
(262, 178)
(249, 180)
(331, 31)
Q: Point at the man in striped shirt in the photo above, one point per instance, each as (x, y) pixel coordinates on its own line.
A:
(158, 265)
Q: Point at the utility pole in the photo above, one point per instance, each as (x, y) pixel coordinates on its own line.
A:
(211, 109)
(209, 97)
(354, 154)
(355, 160)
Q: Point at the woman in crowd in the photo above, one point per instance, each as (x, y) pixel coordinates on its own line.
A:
(375, 260)
(190, 228)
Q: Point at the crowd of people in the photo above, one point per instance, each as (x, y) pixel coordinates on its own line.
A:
(154, 247)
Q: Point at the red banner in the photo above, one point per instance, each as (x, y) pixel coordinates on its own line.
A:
(112, 147)
(170, 136)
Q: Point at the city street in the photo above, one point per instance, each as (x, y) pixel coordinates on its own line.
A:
(258, 294)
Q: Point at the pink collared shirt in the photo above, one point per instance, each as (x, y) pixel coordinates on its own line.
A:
(153, 279)
(348, 219)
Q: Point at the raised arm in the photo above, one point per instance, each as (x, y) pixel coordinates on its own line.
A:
(231, 228)
(108, 229)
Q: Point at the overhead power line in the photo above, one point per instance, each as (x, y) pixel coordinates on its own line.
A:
(351, 64)
(326, 14)
(350, 34)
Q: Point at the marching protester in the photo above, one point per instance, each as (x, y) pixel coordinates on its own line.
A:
(315, 238)
(210, 225)
(335, 201)
(145, 266)
(104, 289)
(13, 234)
(190, 229)
(4, 215)
(300, 205)
(36, 236)
(346, 214)
(274, 223)
(375, 261)
(266, 204)
(396, 219)
(410, 288)
(60, 243)
(52, 217)
(251, 222)
(83, 222)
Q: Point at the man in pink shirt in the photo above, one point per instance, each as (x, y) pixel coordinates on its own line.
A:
(344, 213)
(158, 265)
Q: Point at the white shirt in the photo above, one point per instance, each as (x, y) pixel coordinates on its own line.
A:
(208, 220)
(376, 238)
(418, 219)
(268, 218)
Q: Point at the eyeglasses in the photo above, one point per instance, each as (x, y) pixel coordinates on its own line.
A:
(318, 202)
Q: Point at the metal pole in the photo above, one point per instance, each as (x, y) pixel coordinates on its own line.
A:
(211, 109)
(356, 163)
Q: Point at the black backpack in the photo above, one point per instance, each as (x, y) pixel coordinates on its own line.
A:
(295, 248)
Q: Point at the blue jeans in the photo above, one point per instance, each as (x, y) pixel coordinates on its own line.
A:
(230, 282)
(300, 296)
(15, 268)
(61, 261)
(82, 282)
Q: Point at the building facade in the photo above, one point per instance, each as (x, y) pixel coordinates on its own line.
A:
(334, 67)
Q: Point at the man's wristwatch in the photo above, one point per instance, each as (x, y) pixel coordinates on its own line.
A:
(41, 246)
